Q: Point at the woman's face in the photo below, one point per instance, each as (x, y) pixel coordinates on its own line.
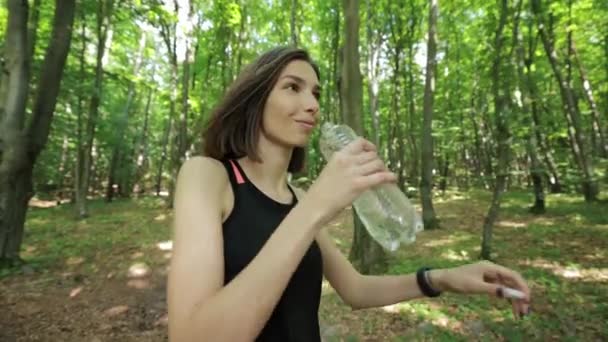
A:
(291, 110)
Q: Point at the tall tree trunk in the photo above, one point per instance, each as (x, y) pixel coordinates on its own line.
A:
(411, 129)
(61, 174)
(590, 187)
(292, 23)
(104, 12)
(181, 140)
(119, 140)
(79, 164)
(429, 217)
(553, 178)
(33, 29)
(336, 108)
(19, 147)
(141, 165)
(500, 91)
(598, 134)
(163, 157)
(366, 254)
(373, 64)
(536, 169)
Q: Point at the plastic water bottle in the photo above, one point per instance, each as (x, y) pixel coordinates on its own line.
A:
(387, 214)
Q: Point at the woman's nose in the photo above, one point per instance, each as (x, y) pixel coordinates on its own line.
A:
(311, 104)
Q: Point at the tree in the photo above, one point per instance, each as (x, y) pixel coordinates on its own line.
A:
(502, 108)
(429, 217)
(20, 145)
(590, 187)
(366, 254)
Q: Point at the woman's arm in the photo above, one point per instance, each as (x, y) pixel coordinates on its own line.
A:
(366, 291)
(362, 291)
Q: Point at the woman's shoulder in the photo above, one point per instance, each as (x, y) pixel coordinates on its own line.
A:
(203, 170)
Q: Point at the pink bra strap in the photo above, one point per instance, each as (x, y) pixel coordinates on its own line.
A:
(237, 173)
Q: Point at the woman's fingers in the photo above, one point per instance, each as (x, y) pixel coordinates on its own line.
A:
(374, 179)
(515, 289)
(366, 157)
(372, 167)
(359, 145)
(510, 278)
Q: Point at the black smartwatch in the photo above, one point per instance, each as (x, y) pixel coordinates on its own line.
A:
(423, 283)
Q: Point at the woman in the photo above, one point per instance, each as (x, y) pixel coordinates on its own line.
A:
(249, 255)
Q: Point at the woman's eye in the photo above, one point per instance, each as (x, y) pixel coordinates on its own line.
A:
(293, 87)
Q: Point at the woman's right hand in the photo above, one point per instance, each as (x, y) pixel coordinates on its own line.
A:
(348, 173)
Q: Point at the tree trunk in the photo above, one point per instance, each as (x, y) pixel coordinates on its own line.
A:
(21, 147)
(141, 165)
(61, 175)
(598, 134)
(104, 11)
(536, 170)
(292, 23)
(15, 77)
(553, 178)
(336, 107)
(163, 158)
(429, 217)
(33, 29)
(373, 64)
(119, 140)
(366, 254)
(500, 90)
(413, 172)
(590, 187)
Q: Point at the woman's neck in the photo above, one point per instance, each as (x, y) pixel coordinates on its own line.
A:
(271, 173)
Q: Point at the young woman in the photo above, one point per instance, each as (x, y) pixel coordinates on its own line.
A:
(250, 252)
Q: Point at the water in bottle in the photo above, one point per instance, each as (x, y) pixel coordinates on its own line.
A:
(387, 214)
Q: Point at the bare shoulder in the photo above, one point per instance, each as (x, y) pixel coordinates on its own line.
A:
(201, 170)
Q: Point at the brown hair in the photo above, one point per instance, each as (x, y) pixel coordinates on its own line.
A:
(234, 127)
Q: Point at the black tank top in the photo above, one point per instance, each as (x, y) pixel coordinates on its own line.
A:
(253, 219)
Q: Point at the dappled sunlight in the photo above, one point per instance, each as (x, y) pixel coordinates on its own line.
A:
(572, 272)
(116, 311)
(451, 254)
(450, 239)
(430, 314)
(165, 245)
(598, 255)
(139, 284)
(544, 221)
(139, 270)
(511, 224)
(38, 203)
(393, 308)
(75, 291)
(450, 196)
(160, 217)
(74, 260)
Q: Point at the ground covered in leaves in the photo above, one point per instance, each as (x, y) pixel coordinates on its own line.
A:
(104, 278)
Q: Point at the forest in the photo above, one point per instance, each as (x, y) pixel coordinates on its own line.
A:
(493, 115)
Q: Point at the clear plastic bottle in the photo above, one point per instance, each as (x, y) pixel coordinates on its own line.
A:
(387, 214)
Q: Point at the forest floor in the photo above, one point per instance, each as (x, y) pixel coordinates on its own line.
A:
(104, 278)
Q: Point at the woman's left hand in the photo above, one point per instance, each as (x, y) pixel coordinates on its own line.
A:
(484, 277)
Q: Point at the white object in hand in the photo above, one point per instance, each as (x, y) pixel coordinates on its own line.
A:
(510, 293)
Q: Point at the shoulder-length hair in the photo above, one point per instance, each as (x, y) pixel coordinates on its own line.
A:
(235, 124)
